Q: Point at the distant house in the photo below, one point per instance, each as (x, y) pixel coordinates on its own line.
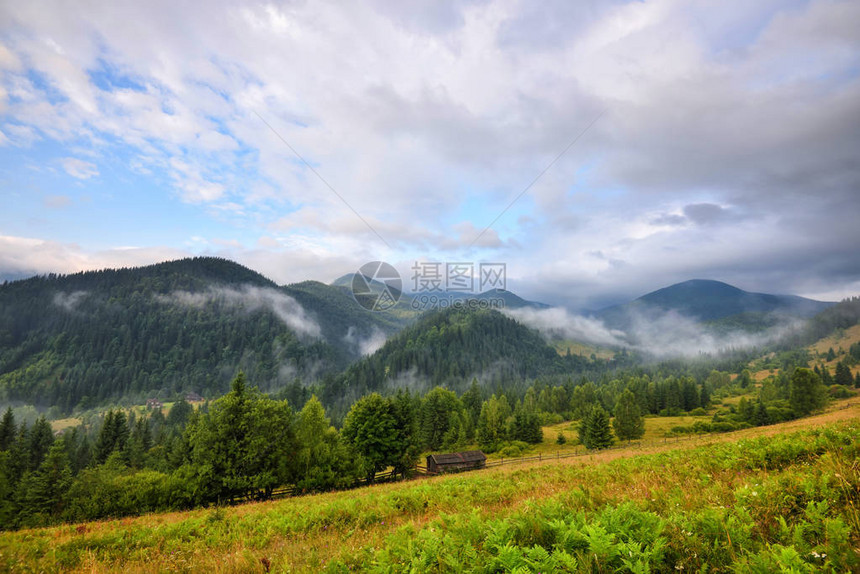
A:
(153, 404)
(456, 461)
(193, 397)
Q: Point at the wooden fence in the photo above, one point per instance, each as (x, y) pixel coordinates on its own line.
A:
(421, 470)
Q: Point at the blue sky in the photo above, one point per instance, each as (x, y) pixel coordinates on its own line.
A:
(726, 145)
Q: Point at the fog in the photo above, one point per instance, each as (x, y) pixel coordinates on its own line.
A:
(557, 322)
(365, 345)
(659, 334)
(250, 298)
(69, 301)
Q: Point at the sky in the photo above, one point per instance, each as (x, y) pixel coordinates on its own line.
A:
(600, 150)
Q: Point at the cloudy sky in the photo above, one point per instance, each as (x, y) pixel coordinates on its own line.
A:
(714, 139)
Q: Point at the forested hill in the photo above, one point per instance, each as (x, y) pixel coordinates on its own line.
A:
(712, 301)
(187, 325)
(450, 347)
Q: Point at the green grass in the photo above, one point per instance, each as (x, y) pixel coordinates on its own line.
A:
(763, 500)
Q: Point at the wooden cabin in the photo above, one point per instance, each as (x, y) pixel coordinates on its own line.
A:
(456, 461)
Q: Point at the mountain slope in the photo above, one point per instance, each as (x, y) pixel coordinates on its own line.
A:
(449, 347)
(87, 338)
(706, 300)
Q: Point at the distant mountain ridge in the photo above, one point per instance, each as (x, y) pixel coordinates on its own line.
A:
(510, 299)
(90, 337)
(98, 337)
(707, 300)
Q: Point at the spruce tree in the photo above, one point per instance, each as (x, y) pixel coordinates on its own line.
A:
(594, 430)
(45, 490)
(760, 416)
(843, 375)
(7, 429)
(41, 439)
(628, 422)
(705, 396)
(806, 392)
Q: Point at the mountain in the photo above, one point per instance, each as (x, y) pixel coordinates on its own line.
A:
(449, 347)
(714, 302)
(89, 338)
(415, 301)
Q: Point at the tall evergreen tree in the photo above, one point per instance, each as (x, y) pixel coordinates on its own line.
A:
(45, 490)
(806, 392)
(843, 375)
(435, 416)
(594, 430)
(472, 400)
(760, 416)
(41, 439)
(628, 422)
(7, 429)
(113, 435)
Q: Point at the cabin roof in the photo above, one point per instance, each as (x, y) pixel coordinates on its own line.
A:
(459, 457)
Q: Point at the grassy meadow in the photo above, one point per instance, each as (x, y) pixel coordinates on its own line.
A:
(768, 499)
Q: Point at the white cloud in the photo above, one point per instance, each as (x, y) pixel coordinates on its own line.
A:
(79, 168)
(428, 120)
(250, 298)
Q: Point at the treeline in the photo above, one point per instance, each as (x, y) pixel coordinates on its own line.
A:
(243, 446)
(448, 347)
(246, 444)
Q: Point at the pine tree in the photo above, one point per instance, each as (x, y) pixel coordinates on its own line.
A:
(843, 375)
(7, 429)
(806, 392)
(594, 430)
(41, 439)
(526, 427)
(45, 490)
(745, 410)
(628, 422)
(139, 443)
(435, 416)
(705, 396)
(760, 416)
(113, 435)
